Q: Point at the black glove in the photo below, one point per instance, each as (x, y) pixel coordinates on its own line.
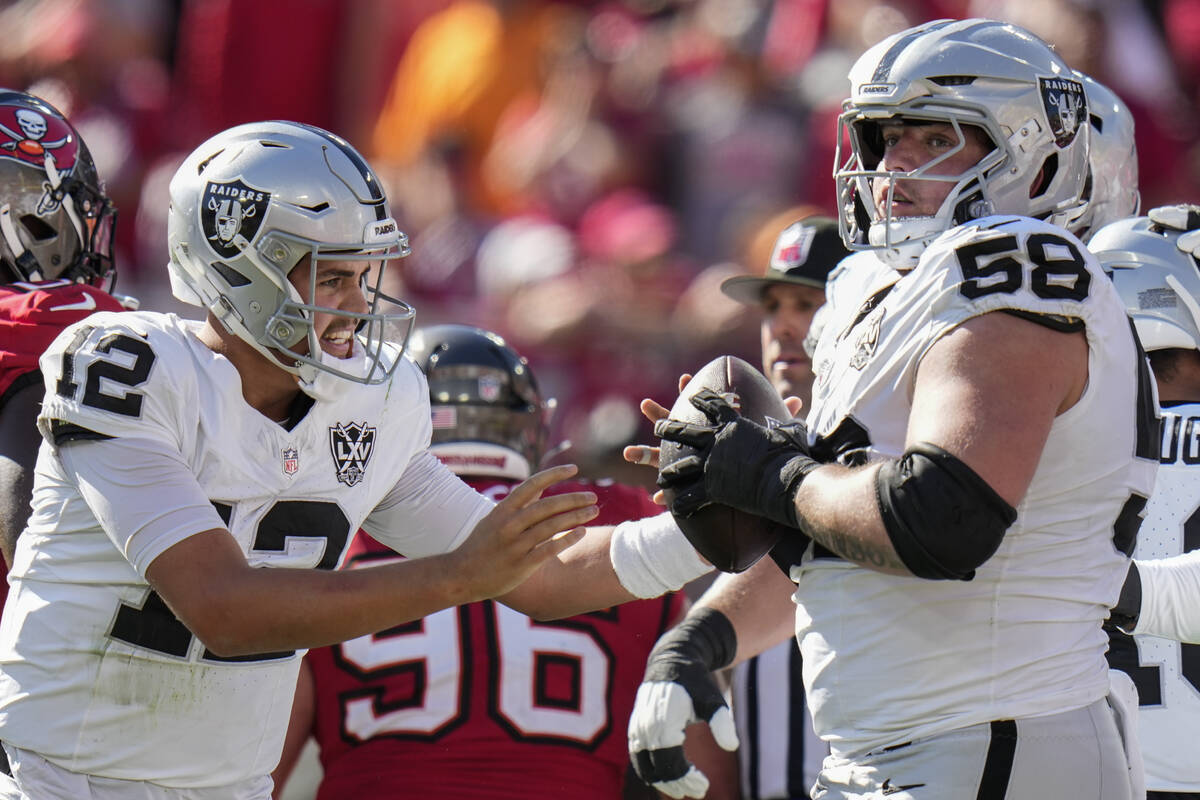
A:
(741, 463)
(678, 689)
(1125, 613)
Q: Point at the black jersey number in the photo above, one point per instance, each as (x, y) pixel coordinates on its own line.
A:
(155, 627)
(1123, 650)
(1059, 271)
(128, 403)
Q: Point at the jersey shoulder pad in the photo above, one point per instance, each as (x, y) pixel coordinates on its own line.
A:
(1007, 263)
(122, 374)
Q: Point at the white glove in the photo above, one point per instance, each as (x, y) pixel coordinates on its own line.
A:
(661, 713)
(1183, 217)
(677, 690)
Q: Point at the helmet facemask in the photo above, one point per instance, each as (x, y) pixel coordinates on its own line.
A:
(903, 237)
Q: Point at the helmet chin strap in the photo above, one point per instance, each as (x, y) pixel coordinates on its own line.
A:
(26, 262)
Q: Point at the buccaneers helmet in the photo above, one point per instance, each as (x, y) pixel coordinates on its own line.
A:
(994, 76)
(55, 220)
(489, 418)
(1158, 283)
(247, 206)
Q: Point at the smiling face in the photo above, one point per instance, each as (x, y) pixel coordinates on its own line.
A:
(339, 285)
(908, 146)
(788, 314)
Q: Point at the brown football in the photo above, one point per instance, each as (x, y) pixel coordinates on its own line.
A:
(731, 540)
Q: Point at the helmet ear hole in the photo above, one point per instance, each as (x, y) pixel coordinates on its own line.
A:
(37, 228)
(1044, 177)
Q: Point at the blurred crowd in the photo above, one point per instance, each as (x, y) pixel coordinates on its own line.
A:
(579, 175)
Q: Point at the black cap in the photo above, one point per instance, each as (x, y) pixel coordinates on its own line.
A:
(804, 255)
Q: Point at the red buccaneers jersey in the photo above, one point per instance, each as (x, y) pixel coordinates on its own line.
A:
(31, 315)
(483, 702)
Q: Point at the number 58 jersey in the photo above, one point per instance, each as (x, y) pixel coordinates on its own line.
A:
(1024, 635)
(96, 673)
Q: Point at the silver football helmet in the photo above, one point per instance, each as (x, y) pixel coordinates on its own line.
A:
(247, 206)
(992, 75)
(1113, 188)
(1158, 282)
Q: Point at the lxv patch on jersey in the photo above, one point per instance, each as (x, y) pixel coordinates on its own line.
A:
(351, 446)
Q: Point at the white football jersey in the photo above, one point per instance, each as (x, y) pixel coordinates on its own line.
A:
(1167, 673)
(889, 658)
(96, 674)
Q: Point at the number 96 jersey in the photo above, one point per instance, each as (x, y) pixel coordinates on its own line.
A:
(1025, 634)
(133, 694)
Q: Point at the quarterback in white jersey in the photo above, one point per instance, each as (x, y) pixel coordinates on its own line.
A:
(198, 483)
(1160, 285)
(981, 441)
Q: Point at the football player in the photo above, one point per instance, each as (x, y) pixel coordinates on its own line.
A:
(1160, 283)
(482, 701)
(957, 459)
(56, 228)
(199, 482)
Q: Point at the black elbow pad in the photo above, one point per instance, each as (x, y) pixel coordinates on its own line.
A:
(942, 518)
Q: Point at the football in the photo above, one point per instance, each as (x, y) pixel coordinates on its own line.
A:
(731, 540)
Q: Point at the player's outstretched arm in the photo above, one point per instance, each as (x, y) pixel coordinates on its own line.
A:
(1166, 600)
(238, 610)
(19, 442)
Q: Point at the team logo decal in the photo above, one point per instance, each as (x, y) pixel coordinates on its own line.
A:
(231, 214)
(1066, 107)
(39, 140)
(865, 346)
(291, 461)
(792, 251)
(351, 446)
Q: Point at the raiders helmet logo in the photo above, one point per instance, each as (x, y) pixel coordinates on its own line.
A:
(231, 214)
(351, 446)
(1066, 107)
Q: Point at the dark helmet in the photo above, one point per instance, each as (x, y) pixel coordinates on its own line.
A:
(55, 220)
(482, 392)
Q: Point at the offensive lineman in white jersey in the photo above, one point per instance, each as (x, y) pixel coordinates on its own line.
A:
(144, 652)
(1000, 457)
(1160, 284)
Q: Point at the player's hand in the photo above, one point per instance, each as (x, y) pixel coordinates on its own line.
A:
(1183, 217)
(522, 532)
(677, 690)
(740, 463)
(644, 454)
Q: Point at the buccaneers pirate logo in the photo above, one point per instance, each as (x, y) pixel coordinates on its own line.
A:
(351, 446)
(231, 214)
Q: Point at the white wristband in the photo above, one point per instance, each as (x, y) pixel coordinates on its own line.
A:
(651, 556)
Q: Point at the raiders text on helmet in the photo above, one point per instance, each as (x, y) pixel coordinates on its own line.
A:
(55, 220)
(247, 206)
(1158, 283)
(995, 76)
(489, 418)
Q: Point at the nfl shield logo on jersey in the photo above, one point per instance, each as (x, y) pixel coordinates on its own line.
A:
(351, 446)
(291, 461)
